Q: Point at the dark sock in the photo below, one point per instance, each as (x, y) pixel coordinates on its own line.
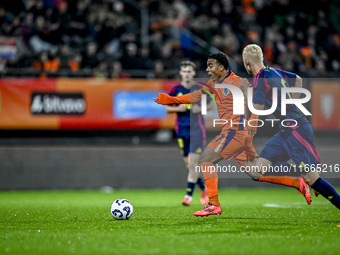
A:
(201, 183)
(190, 188)
(327, 190)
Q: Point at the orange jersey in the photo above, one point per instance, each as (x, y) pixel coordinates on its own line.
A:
(223, 98)
(224, 101)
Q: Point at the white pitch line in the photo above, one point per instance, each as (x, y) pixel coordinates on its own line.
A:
(283, 205)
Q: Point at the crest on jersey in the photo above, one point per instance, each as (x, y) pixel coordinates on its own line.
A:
(226, 91)
(327, 105)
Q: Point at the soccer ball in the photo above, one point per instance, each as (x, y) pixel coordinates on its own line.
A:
(121, 209)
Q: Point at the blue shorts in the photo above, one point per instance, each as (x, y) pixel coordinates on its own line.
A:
(294, 143)
(193, 144)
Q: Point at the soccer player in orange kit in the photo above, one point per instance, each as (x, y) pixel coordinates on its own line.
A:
(190, 130)
(234, 140)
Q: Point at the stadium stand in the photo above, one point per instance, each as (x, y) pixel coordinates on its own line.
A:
(148, 38)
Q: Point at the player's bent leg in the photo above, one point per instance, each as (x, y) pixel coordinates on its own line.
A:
(261, 165)
(186, 161)
(310, 177)
(226, 145)
(254, 168)
(208, 155)
(190, 185)
(211, 181)
(189, 191)
(194, 176)
(207, 162)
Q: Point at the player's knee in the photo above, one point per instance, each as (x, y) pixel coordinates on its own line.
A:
(310, 177)
(203, 159)
(254, 175)
(193, 167)
(256, 178)
(309, 180)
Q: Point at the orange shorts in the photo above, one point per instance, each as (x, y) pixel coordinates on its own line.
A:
(235, 144)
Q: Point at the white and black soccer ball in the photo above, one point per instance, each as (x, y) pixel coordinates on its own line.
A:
(121, 209)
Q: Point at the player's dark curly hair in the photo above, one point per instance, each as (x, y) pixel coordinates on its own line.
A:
(221, 59)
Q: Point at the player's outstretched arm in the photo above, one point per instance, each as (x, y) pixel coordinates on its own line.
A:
(190, 98)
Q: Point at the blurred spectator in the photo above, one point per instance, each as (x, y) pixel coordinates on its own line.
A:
(90, 57)
(42, 38)
(27, 26)
(168, 56)
(295, 35)
(107, 56)
(37, 8)
(156, 44)
(231, 44)
(75, 62)
(64, 57)
(131, 60)
(146, 61)
(78, 24)
(117, 71)
(47, 63)
(101, 71)
(52, 64)
(159, 69)
(181, 9)
(69, 63)
(335, 65)
(3, 68)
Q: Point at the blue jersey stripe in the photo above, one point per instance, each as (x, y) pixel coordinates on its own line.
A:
(230, 136)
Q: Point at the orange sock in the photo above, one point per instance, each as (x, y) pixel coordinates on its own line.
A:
(283, 180)
(211, 181)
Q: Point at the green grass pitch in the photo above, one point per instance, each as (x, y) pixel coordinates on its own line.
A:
(254, 221)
